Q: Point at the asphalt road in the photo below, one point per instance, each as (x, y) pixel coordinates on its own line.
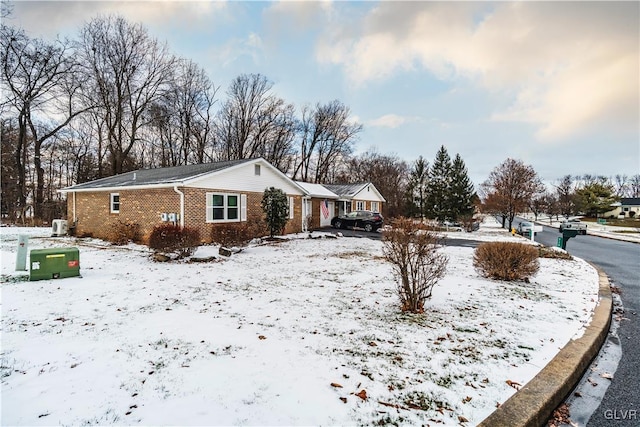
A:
(620, 405)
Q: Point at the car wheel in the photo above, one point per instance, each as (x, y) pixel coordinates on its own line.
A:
(337, 224)
(368, 228)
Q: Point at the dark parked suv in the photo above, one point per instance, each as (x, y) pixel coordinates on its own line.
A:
(368, 220)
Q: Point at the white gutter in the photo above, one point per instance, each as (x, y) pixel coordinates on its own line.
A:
(175, 188)
(116, 188)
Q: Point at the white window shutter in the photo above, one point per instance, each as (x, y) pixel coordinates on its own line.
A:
(243, 207)
(291, 207)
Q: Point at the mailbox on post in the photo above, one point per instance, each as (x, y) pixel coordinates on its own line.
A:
(54, 263)
(566, 235)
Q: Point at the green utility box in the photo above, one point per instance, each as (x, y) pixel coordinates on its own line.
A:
(54, 263)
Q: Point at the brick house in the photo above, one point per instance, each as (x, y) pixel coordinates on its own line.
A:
(199, 196)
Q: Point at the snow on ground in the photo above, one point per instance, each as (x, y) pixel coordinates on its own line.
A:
(259, 338)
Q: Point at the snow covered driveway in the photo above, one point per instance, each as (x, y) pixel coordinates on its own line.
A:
(295, 333)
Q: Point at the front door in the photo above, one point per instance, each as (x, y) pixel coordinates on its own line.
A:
(326, 212)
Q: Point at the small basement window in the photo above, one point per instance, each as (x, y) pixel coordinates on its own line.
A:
(115, 202)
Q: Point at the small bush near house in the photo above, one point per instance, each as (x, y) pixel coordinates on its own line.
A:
(237, 233)
(506, 260)
(170, 238)
(122, 233)
(413, 252)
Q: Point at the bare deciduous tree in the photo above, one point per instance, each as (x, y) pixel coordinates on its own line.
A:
(634, 186)
(40, 83)
(127, 72)
(388, 173)
(255, 123)
(512, 184)
(565, 191)
(621, 183)
(327, 135)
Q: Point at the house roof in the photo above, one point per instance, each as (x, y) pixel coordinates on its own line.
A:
(158, 176)
(630, 201)
(317, 190)
(346, 190)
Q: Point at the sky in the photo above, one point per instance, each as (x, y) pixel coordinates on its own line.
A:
(554, 84)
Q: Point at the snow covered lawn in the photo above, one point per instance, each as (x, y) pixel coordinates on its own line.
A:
(302, 332)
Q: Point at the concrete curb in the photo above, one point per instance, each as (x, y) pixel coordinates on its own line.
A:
(534, 403)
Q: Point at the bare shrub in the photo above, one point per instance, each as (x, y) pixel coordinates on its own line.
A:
(309, 223)
(469, 223)
(231, 234)
(506, 260)
(413, 251)
(123, 232)
(170, 238)
(544, 252)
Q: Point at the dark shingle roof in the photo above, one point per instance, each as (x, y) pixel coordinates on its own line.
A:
(345, 190)
(168, 175)
(630, 201)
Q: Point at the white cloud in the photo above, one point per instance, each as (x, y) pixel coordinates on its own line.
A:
(296, 16)
(50, 18)
(236, 48)
(391, 121)
(567, 66)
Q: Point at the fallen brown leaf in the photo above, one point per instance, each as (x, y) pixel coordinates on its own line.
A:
(462, 419)
(362, 394)
(392, 405)
(336, 385)
(262, 337)
(344, 399)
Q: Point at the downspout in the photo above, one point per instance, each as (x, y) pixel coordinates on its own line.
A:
(75, 219)
(175, 188)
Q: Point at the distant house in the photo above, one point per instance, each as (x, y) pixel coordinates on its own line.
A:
(200, 196)
(626, 207)
(356, 197)
(318, 205)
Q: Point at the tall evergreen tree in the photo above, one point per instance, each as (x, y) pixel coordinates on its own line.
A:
(595, 198)
(438, 200)
(461, 191)
(418, 188)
